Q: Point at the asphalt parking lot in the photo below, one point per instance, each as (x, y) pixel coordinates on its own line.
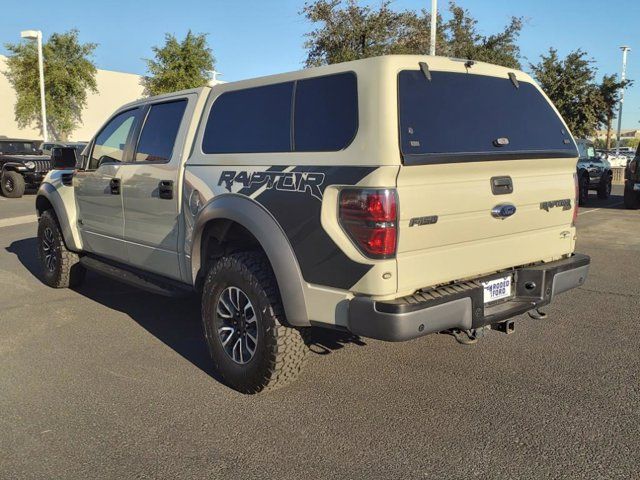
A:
(111, 382)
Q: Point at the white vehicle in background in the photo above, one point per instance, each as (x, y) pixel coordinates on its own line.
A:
(620, 160)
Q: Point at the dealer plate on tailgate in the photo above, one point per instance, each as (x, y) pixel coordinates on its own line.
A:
(497, 289)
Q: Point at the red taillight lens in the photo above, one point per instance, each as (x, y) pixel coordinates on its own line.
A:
(370, 217)
(576, 199)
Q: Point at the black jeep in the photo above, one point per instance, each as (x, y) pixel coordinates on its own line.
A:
(594, 172)
(22, 165)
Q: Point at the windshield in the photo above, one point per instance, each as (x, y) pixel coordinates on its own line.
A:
(586, 150)
(16, 147)
(462, 117)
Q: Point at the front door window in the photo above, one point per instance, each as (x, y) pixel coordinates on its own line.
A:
(111, 141)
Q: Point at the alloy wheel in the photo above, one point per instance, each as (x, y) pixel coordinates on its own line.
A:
(49, 250)
(237, 325)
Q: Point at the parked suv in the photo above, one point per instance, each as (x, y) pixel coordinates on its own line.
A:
(632, 183)
(391, 197)
(22, 165)
(594, 172)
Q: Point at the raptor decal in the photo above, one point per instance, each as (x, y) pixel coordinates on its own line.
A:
(301, 182)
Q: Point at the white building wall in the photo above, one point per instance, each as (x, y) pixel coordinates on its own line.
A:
(114, 90)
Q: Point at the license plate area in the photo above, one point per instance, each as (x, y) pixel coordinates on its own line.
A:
(497, 290)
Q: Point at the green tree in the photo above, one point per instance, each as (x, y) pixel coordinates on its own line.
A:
(179, 65)
(570, 85)
(349, 31)
(462, 40)
(610, 93)
(69, 73)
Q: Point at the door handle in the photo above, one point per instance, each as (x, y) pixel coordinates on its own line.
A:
(165, 189)
(114, 185)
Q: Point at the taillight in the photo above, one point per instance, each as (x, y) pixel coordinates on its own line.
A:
(633, 166)
(369, 217)
(576, 200)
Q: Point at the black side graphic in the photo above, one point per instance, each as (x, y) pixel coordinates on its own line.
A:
(300, 182)
(320, 259)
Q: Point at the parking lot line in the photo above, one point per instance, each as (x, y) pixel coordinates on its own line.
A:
(10, 222)
(584, 212)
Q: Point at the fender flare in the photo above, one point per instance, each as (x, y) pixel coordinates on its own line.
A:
(65, 215)
(13, 167)
(261, 224)
(583, 171)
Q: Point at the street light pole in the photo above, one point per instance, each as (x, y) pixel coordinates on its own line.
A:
(625, 49)
(434, 24)
(37, 36)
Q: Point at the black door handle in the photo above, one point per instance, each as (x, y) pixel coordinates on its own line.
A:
(114, 185)
(165, 189)
(501, 185)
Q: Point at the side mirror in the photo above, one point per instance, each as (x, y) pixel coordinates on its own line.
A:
(63, 158)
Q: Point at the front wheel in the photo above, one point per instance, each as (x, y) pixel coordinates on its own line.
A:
(12, 184)
(60, 267)
(583, 189)
(243, 319)
(604, 189)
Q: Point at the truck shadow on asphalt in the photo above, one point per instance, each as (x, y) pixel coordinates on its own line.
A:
(175, 322)
(614, 202)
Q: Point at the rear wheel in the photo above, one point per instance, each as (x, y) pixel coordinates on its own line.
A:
(583, 189)
(243, 319)
(60, 267)
(12, 184)
(631, 197)
(604, 189)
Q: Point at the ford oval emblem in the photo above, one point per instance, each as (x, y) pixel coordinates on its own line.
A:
(503, 210)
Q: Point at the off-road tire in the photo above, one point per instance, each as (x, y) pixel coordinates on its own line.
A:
(604, 189)
(12, 184)
(65, 270)
(583, 189)
(631, 197)
(280, 350)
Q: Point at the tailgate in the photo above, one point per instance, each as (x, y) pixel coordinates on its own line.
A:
(447, 230)
(464, 138)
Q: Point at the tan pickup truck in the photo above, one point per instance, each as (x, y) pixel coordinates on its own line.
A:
(391, 197)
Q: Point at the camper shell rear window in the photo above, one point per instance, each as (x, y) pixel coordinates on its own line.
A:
(457, 117)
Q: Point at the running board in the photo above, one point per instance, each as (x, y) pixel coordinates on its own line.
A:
(137, 278)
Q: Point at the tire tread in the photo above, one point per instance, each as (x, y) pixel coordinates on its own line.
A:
(285, 345)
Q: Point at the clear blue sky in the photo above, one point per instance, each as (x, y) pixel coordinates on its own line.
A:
(257, 37)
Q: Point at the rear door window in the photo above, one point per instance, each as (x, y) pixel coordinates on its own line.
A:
(463, 116)
(326, 113)
(252, 120)
(160, 131)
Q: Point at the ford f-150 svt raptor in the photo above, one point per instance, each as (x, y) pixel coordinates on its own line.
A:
(391, 197)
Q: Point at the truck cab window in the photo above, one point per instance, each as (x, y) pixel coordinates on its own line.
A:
(160, 131)
(111, 141)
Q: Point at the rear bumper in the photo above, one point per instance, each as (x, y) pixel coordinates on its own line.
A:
(461, 305)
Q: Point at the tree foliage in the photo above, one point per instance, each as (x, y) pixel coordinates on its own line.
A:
(179, 65)
(350, 31)
(69, 73)
(570, 84)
